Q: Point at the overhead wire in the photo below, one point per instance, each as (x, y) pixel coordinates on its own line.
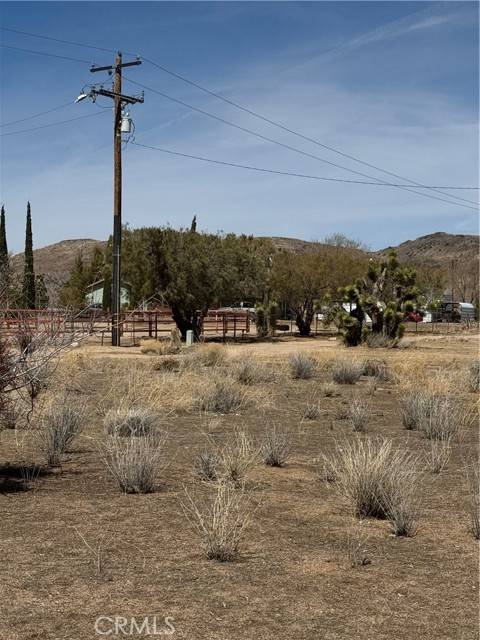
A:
(37, 115)
(266, 119)
(45, 53)
(289, 147)
(53, 124)
(266, 170)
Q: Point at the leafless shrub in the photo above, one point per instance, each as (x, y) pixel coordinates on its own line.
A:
(134, 463)
(473, 482)
(474, 376)
(8, 415)
(250, 372)
(438, 454)
(371, 386)
(275, 447)
(359, 413)
(416, 406)
(301, 366)
(220, 395)
(166, 364)
(210, 355)
(160, 347)
(312, 411)
(378, 481)
(326, 468)
(379, 341)
(330, 389)
(355, 547)
(377, 369)
(238, 457)
(220, 521)
(207, 465)
(135, 421)
(346, 371)
(61, 424)
(445, 417)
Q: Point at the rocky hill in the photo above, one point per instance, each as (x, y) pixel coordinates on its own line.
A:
(437, 249)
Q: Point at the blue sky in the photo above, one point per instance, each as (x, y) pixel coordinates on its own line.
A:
(392, 83)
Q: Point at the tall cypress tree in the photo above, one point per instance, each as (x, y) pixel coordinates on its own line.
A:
(28, 273)
(3, 239)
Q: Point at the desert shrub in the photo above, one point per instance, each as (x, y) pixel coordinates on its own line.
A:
(301, 366)
(377, 369)
(160, 347)
(473, 482)
(166, 364)
(378, 481)
(8, 415)
(238, 457)
(380, 341)
(444, 418)
(312, 411)
(474, 376)
(359, 413)
(209, 355)
(135, 421)
(355, 546)
(220, 395)
(207, 465)
(61, 424)
(249, 372)
(415, 406)
(438, 454)
(275, 447)
(135, 462)
(220, 521)
(330, 389)
(327, 469)
(346, 371)
(371, 386)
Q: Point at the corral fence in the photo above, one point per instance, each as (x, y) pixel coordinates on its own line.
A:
(134, 325)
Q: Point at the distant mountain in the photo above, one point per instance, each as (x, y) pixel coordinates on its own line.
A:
(55, 261)
(437, 249)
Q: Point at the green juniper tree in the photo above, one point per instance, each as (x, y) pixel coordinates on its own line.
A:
(28, 290)
(41, 293)
(4, 262)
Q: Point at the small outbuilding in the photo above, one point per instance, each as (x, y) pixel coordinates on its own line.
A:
(94, 295)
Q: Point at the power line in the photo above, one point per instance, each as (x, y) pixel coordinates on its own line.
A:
(264, 118)
(287, 129)
(37, 115)
(289, 147)
(77, 44)
(274, 171)
(44, 53)
(53, 124)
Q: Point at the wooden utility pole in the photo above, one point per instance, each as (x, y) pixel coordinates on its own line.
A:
(119, 101)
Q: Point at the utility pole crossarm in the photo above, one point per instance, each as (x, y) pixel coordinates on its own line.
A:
(111, 68)
(123, 98)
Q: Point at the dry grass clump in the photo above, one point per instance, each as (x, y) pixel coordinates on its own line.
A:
(474, 376)
(378, 482)
(330, 389)
(238, 457)
(204, 355)
(135, 421)
(207, 465)
(160, 347)
(415, 406)
(166, 364)
(379, 341)
(377, 369)
(249, 371)
(312, 411)
(346, 371)
(359, 413)
(275, 447)
(302, 367)
(220, 395)
(473, 481)
(438, 454)
(355, 546)
(445, 417)
(220, 521)
(61, 423)
(135, 462)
